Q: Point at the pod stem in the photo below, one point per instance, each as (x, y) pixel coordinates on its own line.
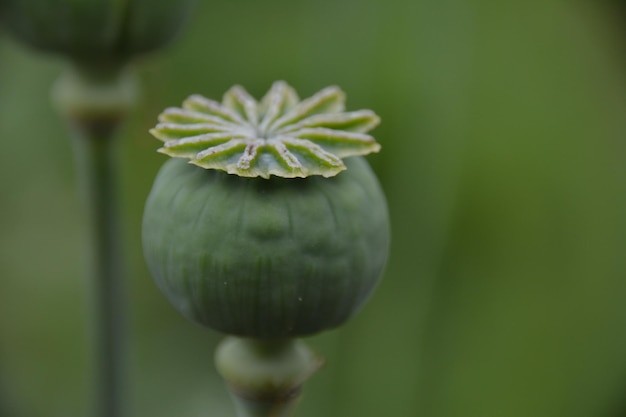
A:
(95, 102)
(108, 309)
(265, 377)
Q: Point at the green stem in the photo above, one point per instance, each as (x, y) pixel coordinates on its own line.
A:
(248, 408)
(94, 102)
(265, 377)
(97, 171)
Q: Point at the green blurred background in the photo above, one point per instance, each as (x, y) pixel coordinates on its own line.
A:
(504, 163)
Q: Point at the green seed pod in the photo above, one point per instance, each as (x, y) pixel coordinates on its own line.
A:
(94, 30)
(258, 255)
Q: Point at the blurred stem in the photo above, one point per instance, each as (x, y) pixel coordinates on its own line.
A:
(95, 102)
(265, 377)
(249, 408)
(98, 167)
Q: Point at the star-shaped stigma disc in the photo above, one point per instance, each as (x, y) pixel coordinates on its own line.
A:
(279, 135)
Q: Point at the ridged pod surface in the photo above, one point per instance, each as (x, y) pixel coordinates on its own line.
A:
(264, 258)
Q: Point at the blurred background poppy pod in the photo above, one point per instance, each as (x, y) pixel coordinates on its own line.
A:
(95, 30)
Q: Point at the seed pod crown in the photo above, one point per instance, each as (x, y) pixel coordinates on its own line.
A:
(279, 135)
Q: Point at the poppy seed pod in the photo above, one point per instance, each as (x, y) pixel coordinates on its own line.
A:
(280, 238)
(94, 30)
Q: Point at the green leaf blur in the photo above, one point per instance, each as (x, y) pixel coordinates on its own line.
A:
(504, 162)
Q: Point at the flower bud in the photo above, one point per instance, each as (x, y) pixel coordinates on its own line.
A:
(94, 30)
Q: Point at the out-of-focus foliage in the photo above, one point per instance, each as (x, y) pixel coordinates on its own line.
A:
(504, 162)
